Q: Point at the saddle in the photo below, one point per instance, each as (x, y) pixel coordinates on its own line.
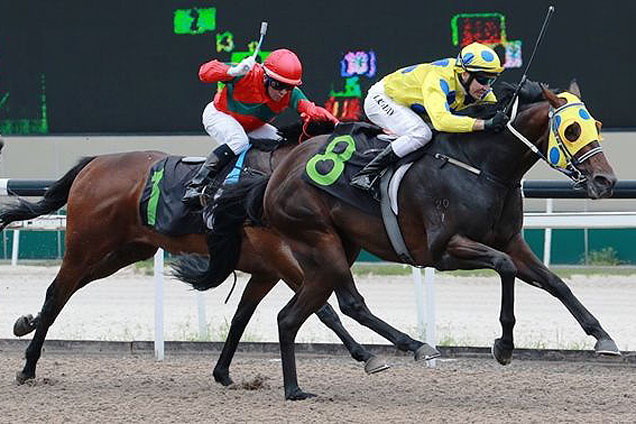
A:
(161, 207)
(348, 150)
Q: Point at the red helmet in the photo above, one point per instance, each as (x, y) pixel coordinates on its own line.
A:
(283, 65)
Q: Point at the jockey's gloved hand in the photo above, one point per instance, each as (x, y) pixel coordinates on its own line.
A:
(310, 112)
(242, 68)
(497, 122)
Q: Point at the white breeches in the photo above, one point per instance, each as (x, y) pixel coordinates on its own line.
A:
(412, 131)
(224, 129)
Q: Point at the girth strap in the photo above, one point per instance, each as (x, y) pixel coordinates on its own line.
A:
(390, 220)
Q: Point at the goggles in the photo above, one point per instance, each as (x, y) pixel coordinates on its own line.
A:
(279, 86)
(487, 80)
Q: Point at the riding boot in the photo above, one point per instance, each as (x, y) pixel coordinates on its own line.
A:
(366, 178)
(214, 163)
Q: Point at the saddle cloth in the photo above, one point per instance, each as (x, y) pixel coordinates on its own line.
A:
(161, 207)
(324, 171)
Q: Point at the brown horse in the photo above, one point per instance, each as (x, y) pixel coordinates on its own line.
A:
(467, 214)
(104, 233)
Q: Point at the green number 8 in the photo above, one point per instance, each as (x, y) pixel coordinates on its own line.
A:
(338, 160)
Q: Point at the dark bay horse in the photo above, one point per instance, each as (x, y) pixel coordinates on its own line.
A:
(105, 233)
(451, 217)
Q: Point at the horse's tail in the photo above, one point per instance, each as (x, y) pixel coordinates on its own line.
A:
(236, 204)
(55, 197)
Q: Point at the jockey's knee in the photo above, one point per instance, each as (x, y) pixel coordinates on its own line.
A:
(238, 144)
(406, 144)
(423, 134)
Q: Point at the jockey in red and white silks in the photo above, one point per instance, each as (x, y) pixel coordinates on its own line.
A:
(252, 95)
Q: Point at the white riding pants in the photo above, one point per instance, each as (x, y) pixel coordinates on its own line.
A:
(411, 130)
(224, 129)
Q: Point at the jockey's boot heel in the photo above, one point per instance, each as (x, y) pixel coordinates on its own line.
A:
(214, 163)
(367, 177)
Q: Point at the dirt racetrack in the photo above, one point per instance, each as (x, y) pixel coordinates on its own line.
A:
(80, 388)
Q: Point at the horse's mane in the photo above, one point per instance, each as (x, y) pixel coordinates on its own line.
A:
(529, 93)
(292, 134)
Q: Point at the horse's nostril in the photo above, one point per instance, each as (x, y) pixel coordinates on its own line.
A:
(604, 181)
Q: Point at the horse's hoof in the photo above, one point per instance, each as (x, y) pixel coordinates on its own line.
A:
(21, 377)
(298, 394)
(375, 365)
(502, 354)
(606, 347)
(24, 325)
(426, 352)
(224, 379)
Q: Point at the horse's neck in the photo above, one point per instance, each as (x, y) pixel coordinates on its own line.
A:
(503, 155)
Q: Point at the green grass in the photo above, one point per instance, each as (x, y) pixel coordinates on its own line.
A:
(365, 269)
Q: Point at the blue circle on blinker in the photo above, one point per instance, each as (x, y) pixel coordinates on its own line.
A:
(487, 56)
(583, 114)
(555, 154)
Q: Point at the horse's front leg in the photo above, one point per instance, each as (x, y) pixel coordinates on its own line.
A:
(532, 271)
(463, 253)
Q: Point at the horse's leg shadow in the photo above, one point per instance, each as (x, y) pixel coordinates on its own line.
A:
(77, 270)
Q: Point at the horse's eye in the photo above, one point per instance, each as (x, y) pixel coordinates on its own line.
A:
(573, 132)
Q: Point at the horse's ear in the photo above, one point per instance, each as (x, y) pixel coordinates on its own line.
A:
(552, 98)
(574, 88)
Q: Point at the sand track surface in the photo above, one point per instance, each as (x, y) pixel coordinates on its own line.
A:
(80, 388)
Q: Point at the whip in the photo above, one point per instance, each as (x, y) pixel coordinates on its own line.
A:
(536, 45)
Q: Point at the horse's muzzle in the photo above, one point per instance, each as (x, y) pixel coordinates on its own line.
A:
(601, 186)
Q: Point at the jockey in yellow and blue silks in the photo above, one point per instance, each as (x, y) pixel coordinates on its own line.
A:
(411, 100)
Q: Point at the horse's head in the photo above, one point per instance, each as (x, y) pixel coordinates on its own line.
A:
(573, 143)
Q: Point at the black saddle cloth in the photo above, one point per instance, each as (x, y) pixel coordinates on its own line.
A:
(367, 146)
(161, 207)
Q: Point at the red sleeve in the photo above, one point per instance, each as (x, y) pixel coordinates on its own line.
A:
(214, 71)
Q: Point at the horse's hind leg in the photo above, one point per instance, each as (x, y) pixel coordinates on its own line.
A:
(73, 275)
(276, 253)
(352, 304)
(257, 287)
(372, 363)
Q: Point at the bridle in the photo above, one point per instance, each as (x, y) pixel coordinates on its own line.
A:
(571, 170)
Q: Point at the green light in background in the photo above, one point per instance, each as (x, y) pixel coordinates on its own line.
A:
(238, 56)
(194, 21)
(27, 126)
(224, 42)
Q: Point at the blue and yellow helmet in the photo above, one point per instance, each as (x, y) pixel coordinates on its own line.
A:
(477, 57)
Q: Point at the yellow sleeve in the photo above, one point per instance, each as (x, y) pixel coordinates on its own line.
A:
(437, 108)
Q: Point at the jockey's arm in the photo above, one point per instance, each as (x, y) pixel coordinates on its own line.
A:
(438, 109)
(308, 110)
(214, 71)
